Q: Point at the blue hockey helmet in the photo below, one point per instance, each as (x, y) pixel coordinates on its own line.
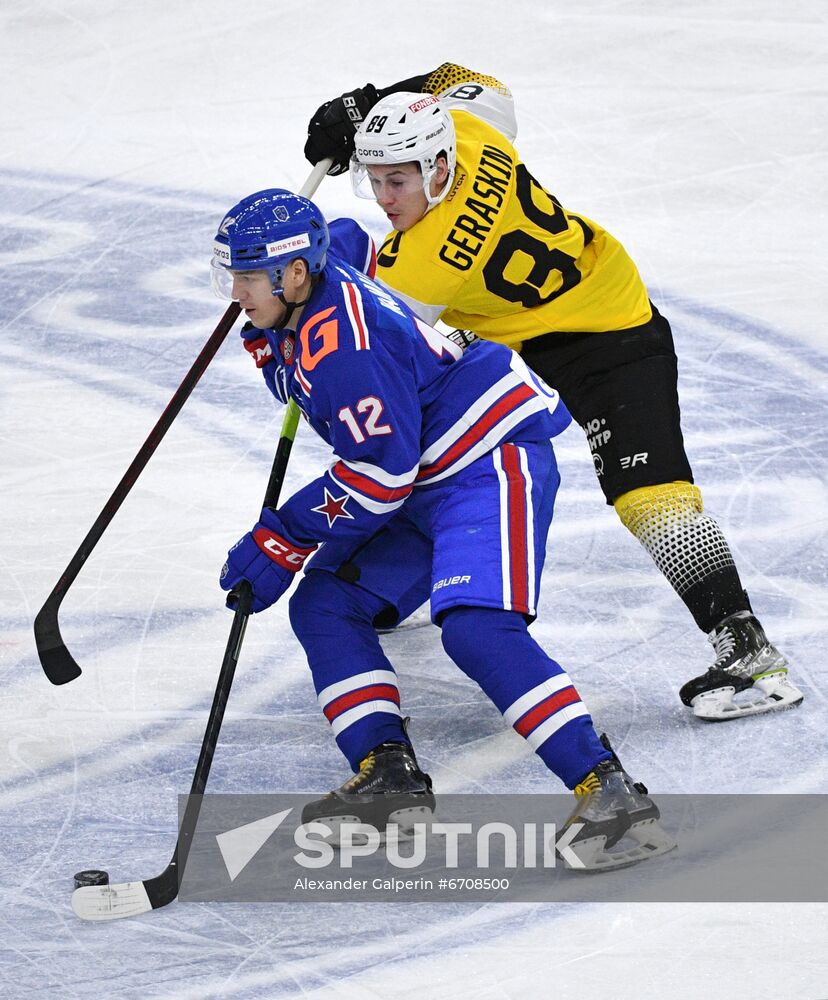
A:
(265, 232)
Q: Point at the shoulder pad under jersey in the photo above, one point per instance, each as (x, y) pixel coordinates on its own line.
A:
(464, 89)
(351, 243)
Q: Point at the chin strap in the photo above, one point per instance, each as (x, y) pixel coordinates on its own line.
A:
(433, 202)
(291, 307)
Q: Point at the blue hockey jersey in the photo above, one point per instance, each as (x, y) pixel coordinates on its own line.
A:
(401, 405)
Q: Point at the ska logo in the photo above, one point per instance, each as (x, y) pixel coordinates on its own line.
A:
(287, 349)
(281, 213)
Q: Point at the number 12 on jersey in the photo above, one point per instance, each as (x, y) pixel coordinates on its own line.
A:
(371, 409)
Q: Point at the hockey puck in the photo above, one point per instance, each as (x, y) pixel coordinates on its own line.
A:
(92, 877)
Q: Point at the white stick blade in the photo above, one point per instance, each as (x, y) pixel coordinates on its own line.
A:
(110, 902)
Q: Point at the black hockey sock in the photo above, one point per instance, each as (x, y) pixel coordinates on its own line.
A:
(715, 597)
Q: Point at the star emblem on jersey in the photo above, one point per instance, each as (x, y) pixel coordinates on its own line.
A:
(333, 507)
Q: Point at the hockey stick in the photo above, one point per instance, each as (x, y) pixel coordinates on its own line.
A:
(110, 902)
(56, 660)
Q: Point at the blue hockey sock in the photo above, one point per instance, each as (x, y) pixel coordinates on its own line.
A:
(354, 680)
(534, 693)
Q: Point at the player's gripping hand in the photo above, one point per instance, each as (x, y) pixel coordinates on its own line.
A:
(267, 559)
(256, 345)
(332, 127)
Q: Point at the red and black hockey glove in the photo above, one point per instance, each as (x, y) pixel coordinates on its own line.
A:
(267, 559)
(256, 345)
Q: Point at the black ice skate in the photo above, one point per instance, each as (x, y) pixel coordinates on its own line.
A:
(745, 661)
(389, 790)
(619, 822)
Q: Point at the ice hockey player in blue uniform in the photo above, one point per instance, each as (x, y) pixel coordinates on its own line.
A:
(442, 485)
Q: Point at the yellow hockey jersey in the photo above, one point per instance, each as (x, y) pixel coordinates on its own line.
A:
(500, 255)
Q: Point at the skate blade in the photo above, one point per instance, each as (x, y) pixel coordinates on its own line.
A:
(777, 693)
(399, 827)
(651, 840)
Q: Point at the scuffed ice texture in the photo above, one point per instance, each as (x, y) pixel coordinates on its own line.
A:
(691, 134)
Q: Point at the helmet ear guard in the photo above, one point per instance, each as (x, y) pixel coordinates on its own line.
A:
(265, 232)
(405, 128)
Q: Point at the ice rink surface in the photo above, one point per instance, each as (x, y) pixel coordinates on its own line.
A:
(695, 133)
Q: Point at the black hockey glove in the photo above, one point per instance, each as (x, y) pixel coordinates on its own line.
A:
(331, 129)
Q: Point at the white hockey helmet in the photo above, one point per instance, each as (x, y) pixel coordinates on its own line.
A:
(405, 128)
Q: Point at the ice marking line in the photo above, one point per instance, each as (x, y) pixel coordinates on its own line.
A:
(59, 238)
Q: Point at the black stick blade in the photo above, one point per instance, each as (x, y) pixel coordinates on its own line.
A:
(163, 889)
(55, 658)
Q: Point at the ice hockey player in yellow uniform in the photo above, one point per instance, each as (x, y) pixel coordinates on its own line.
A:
(510, 262)
(479, 243)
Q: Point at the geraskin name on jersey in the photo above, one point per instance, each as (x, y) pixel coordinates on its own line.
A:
(469, 231)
